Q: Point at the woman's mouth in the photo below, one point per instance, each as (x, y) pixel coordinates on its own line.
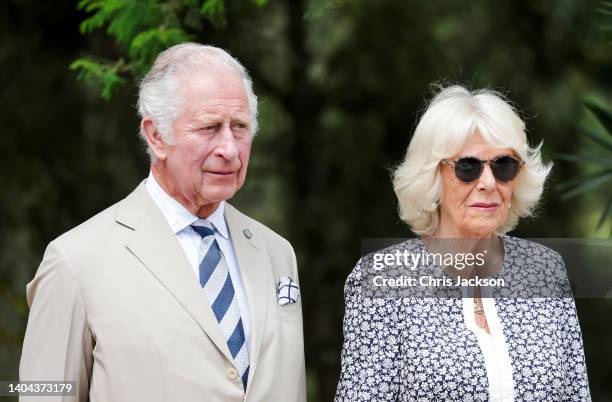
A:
(485, 206)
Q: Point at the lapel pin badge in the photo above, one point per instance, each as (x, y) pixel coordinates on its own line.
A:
(247, 233)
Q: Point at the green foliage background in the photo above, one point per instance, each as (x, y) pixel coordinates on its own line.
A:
(341, 85)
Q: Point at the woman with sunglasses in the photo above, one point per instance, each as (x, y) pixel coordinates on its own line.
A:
(468, 176)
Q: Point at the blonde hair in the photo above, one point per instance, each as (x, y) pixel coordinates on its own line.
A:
(452, 117)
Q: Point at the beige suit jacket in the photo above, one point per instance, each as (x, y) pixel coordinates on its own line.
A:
(116, 307)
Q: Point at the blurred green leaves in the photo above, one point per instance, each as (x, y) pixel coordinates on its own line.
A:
(142, 29)
(606, 9)
(99, 73)
(602, 163)
(214, 11)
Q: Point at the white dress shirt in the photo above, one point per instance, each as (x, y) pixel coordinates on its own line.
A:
(180, 221)
(493, 346)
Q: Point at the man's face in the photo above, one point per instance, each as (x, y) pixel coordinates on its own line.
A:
(207, 163)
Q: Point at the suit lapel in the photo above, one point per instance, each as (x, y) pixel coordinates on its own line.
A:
(157, 248)
(254, 266)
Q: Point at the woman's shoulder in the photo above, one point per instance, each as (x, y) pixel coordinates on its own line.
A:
(387, 254)
(381, 259)
(385, 257)
(536, 252)
(534, 270)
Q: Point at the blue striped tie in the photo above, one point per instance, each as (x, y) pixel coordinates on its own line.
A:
(216, 281)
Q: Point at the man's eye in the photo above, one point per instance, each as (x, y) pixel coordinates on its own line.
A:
(210, 127)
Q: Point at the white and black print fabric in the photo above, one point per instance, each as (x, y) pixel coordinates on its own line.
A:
(419, 348)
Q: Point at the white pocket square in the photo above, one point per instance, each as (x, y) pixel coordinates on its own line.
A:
(288, 291)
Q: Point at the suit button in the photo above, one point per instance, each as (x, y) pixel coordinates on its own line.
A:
(231, 373)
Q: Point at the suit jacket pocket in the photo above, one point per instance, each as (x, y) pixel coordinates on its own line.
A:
(290, 312)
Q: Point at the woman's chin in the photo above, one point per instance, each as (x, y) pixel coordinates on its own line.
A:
(481, 229)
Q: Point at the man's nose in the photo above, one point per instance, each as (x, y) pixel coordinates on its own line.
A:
(227, 143)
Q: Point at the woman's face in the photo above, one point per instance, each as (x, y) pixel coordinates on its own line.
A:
(474, 209)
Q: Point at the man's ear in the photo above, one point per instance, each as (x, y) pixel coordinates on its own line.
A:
(154, 138)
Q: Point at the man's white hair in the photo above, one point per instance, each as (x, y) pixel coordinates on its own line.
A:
(452, 117)
(159, 96)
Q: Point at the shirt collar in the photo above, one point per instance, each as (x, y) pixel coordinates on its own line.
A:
(177, 215)
(217, 218)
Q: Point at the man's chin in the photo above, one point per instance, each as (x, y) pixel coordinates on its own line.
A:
(218, 195)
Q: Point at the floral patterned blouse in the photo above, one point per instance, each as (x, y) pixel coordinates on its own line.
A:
(420, 349)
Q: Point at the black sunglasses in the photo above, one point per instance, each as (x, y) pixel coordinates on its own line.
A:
(505, 168)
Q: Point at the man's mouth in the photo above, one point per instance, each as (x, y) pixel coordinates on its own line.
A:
(221, 172)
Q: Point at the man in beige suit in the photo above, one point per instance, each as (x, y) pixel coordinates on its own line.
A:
(172, 294)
